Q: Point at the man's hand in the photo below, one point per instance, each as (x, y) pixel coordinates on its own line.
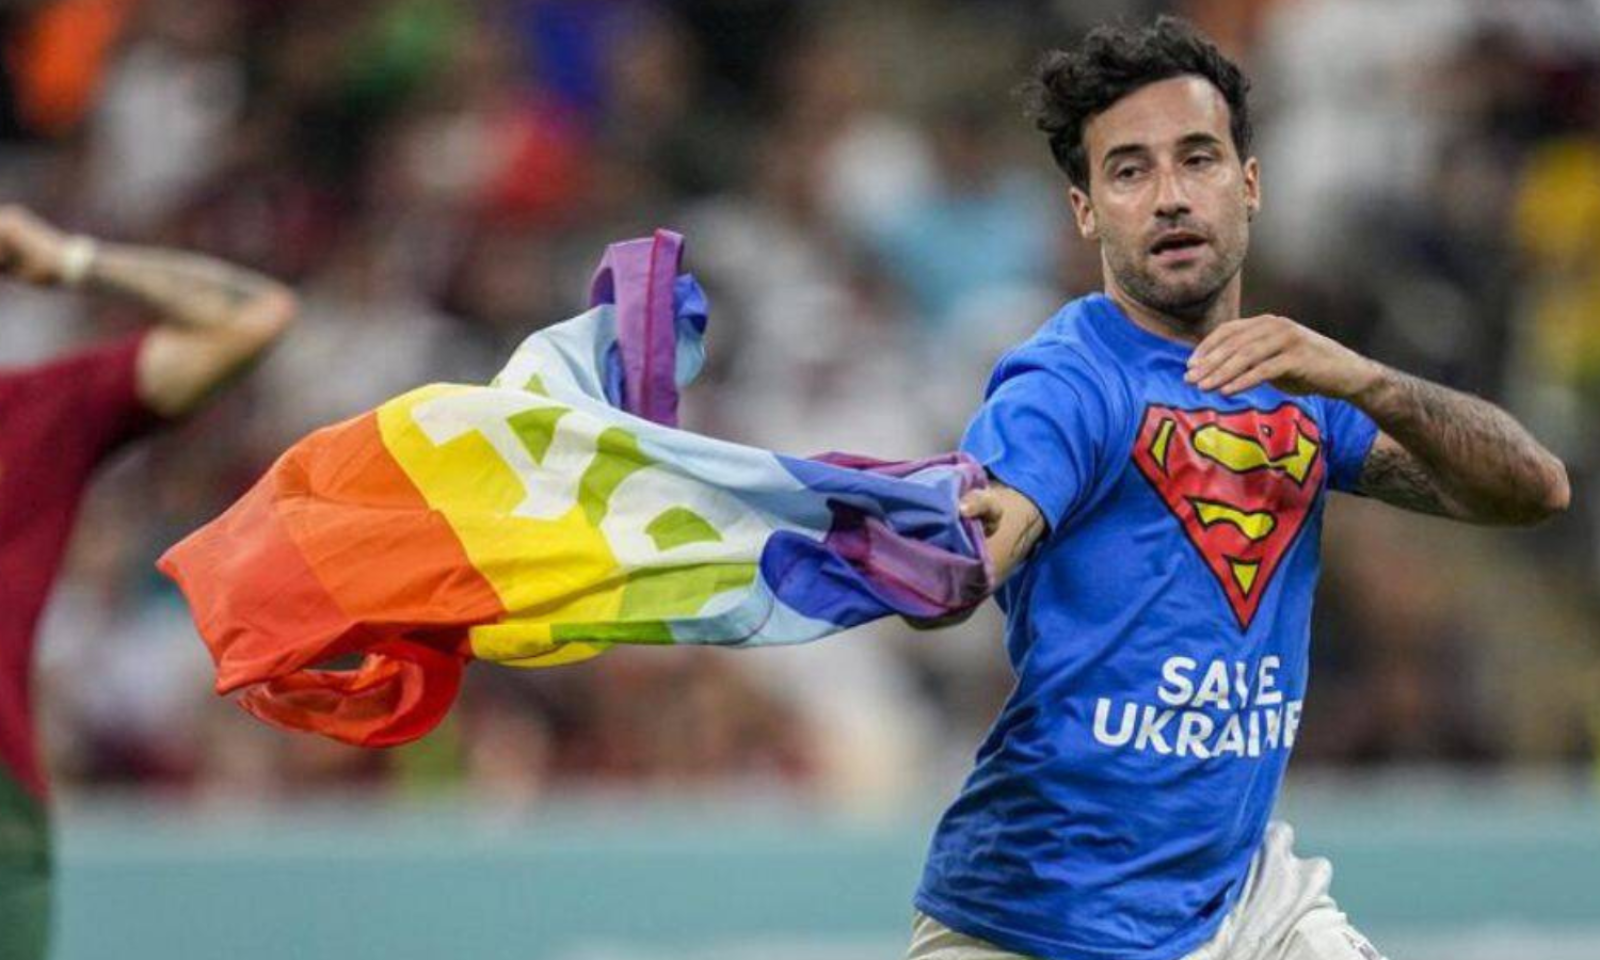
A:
(1242, 353)
(984, 506)
(30, 249)
(1012, 525)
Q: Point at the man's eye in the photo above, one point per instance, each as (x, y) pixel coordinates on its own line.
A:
(1126, 173)
(1201, 160)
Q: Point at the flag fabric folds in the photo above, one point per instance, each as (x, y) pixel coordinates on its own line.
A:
(542, 518)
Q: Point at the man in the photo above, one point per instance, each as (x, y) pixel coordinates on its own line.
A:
(63, 419)
(1159, 470)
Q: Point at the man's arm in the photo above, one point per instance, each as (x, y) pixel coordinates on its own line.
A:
(1012, 526)
(214, 318)
(1440, 451)
(1452, 454)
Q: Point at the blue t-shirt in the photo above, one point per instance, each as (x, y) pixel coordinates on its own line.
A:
(1159, 637)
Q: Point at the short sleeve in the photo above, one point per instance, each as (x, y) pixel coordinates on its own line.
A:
(1043, 429)
(92, 397)
(1349, 435)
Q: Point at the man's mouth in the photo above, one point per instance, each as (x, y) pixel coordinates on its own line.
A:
(1177, 246)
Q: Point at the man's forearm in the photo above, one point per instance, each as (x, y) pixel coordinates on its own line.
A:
(1440, 452)
(183, 288)
(1468, 458)
(215, 319)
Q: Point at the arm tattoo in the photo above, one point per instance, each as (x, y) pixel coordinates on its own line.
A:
(1027, 539)
(1456, 455)
(1014, 540)
(185, 288)
(1393, 475)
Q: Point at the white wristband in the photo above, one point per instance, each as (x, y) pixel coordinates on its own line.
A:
(77, 255)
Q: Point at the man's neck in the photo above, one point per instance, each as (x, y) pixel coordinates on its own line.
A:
(1186, 328)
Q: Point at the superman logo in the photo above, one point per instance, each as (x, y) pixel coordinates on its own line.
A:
(1241, 484)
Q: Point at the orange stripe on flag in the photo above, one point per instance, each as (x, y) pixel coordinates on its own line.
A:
(332, 552)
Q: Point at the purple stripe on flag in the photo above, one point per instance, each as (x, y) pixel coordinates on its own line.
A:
(969, 473)
(638, 276)
(917, 579)
(894, 547)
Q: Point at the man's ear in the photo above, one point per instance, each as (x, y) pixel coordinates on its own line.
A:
(1083, 213)
(1252, 186)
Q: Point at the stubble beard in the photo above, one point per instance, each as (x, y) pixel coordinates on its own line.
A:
(1186, 297)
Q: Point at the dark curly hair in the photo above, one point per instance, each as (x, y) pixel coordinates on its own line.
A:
(1069, 87)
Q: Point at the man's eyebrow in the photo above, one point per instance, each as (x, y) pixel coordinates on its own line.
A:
(1200, 139)
(1123, 150)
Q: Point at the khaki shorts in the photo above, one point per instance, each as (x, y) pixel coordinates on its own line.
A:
(1284, 913)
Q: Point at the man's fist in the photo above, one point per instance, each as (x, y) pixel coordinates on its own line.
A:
(985, 506)
(34, 251)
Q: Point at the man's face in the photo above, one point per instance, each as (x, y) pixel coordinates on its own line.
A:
(1169, 199)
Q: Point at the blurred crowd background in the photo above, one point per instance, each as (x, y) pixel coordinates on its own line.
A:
(874, 221)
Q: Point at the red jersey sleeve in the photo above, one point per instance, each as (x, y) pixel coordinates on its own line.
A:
(93, 396)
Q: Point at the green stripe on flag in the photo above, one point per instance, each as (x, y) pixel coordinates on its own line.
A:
(617, 456)
(680, 526)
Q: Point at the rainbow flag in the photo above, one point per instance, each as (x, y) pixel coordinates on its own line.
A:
(542, 518)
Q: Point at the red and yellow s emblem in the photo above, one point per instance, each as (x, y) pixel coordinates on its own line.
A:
(1240, 483)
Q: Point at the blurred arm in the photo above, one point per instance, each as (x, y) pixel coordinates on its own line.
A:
(214, 318)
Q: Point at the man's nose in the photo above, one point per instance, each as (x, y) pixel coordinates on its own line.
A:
(1171, 199)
